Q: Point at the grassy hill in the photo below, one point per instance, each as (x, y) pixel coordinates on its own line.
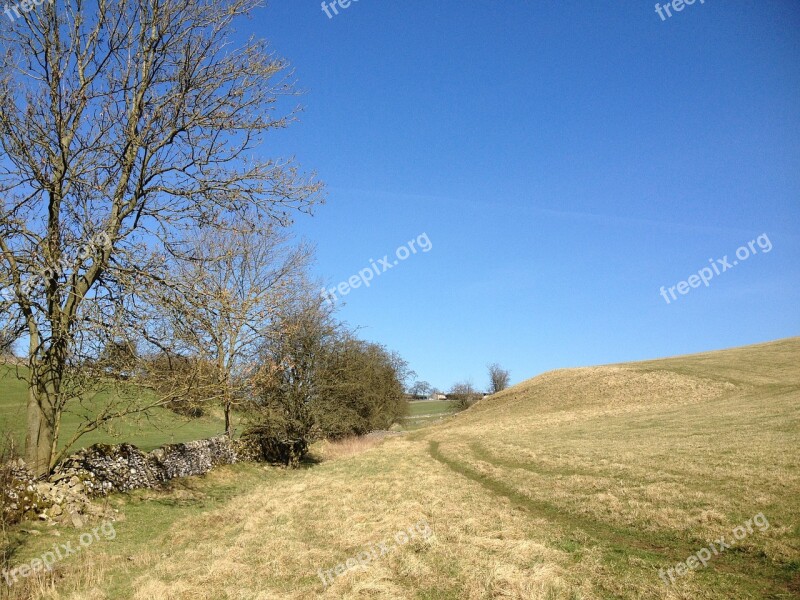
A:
(158, 427)
(579, 484)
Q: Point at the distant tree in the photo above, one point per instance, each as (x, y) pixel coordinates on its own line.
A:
(119, 358)
(183, 383)
(463, 395)
(420, 388)
(7, 339)
(11, 328)
(499, 378)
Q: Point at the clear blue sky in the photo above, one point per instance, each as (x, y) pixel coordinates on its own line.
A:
(566, 159)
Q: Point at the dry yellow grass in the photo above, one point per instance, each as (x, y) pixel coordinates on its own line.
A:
(577, 484)
(351, 446)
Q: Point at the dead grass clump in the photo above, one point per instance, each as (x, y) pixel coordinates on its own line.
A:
(344, 448)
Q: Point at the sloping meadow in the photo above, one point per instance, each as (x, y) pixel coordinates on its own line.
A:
(584, 483)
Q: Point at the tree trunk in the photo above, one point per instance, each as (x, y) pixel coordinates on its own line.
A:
(40, 437)
(44, 386)
(228, 428)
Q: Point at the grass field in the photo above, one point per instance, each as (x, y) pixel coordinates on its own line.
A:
(427, 412)
(430, 407)
(158, 427)
(578, 484)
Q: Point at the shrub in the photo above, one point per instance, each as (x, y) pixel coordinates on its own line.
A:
(317, 380)
(361, 389)
(463, 395)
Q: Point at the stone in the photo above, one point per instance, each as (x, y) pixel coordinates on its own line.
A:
(32, 532)
(76, 520)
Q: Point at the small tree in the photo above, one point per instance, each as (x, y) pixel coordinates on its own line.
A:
(498, 378)
(420, 388)
(7, 339)
(315, 379)
(225, 299)
(119, 358)
(10, 328)
(463, 395)
(287, 380)
(185, 384)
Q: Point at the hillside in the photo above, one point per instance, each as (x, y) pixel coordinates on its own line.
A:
(579, 483)
(159, 426)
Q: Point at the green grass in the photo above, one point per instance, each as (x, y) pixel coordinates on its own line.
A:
(427, 412)
(430, 407)
(148, 517)
(147, 431)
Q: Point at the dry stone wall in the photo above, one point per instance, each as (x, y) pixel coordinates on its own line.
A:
(105, 469)
(102, 469)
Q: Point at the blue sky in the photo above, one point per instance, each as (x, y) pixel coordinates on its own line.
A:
(566, 160)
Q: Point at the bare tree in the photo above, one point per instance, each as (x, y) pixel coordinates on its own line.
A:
(127, 127)
(420, 388)
(224, 300)
(499, 378)
(463, 395)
